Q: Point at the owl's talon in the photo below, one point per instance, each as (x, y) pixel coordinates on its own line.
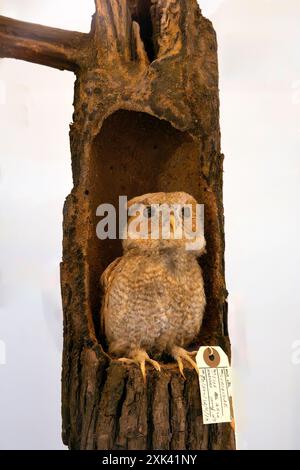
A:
(155, 365)
(140, 357)
(180, 366)
(179, 354)
(193, 363)
(143, 370)
(192, 353)
(126, 360)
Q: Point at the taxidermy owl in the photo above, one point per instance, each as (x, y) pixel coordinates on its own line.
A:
(154, 296)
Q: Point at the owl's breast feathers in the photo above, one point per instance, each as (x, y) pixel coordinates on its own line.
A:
(153, 300)
(106, 281)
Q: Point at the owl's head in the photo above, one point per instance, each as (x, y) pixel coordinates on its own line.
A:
(159, 221)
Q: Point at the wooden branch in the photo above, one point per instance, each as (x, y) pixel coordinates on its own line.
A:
(42, 44)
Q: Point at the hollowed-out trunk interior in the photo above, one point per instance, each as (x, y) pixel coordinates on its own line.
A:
(141, 13)
(133, 154)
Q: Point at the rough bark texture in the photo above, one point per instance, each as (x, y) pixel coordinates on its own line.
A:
(42, 45)
(146, 119)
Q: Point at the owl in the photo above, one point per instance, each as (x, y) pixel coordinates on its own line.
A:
(153, 296)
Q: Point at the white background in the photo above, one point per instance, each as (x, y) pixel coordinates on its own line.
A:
(259, 56)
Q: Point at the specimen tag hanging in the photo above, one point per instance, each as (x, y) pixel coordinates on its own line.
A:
(215, 385)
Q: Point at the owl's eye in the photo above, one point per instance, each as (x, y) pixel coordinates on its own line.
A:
(186, 212)
(149, 212)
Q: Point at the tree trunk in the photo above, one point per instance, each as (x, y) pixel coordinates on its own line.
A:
(146, 119)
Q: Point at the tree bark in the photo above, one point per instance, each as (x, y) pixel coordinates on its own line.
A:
(41, 44)
(146, 119)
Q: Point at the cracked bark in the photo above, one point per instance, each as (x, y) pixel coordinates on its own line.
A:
(146, 119)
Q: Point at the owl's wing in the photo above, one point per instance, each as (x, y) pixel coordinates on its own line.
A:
(106, 280)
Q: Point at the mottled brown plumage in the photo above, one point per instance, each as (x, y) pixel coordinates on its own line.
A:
(154, 295)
